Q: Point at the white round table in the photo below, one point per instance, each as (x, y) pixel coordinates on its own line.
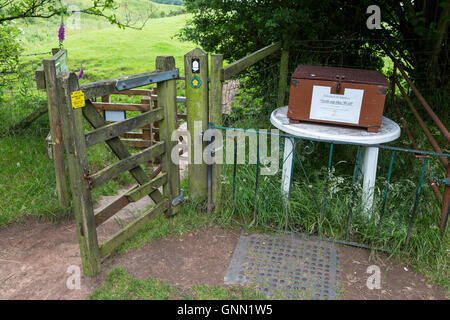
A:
(388, 131)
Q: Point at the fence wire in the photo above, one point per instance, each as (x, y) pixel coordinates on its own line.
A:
(324, 203)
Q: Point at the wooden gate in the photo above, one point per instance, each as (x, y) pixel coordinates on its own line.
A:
(74, 103)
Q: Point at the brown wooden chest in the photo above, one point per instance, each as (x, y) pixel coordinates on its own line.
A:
(351, 97)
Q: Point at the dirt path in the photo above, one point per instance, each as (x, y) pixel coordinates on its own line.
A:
(34, 258)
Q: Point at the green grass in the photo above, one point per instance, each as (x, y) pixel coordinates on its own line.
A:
(113, 52)
(38, 31)
(122, 286)
(27, 179)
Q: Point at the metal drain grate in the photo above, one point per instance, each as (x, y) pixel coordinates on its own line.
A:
(286, 266)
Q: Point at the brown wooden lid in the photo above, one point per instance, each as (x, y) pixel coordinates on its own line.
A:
(347, 74)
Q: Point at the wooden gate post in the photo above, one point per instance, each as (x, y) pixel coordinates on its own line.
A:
(74, 139)
(167, 99)
(196, 73)
(52, 67)
(215, 116)
(283, 81)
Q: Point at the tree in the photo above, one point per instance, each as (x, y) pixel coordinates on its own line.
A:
(20, 9)
(329, 32)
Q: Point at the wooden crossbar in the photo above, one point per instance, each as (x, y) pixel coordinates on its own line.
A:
(107, 247)
(118, 128)
(133, 135)
(119, 149)
(131, 196)
(136, 92)
(106, 87)
(114, 170)
(249, 60)
(141, 191)
(137, 143)
(102, 106)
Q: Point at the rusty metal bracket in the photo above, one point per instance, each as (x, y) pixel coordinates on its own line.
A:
(87, 176)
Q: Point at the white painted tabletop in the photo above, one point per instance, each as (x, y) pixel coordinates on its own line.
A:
(388, 131)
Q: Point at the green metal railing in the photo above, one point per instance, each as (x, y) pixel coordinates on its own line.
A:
(321, 208)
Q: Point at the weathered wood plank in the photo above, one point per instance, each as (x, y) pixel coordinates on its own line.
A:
(117, 128)
(103, 106)
(39, 76)
(197, 113)
(110, 210)
(180, 99)
(167, 94)
(114, 170)
(107, 247)
(132, 135)
(53, 103)
(131, 196)
(119, 149)
(247, 61)
(72, 120)
(136, 92)
(138, 193)
(137, 143)
(215, 116)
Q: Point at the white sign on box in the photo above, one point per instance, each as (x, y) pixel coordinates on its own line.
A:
(336, 107)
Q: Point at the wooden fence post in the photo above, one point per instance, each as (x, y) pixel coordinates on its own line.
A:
(167, 99)
(283, 81)
(74, 139)
(196, 73)
(51, 71)
(215, 116)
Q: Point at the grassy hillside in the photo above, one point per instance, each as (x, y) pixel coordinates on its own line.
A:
(110, 51)
(43, 30)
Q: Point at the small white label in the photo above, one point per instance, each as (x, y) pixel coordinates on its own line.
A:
(336, 107)
(114, 115)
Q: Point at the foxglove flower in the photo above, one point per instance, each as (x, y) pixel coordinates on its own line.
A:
(61, 32)
(80, 75)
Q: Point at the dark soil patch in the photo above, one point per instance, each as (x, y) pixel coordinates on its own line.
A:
(398, 281)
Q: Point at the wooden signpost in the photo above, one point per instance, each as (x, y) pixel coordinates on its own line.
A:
(196, 74)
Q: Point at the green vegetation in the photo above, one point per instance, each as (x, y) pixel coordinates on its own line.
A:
(27, 176)
(122, 286)
(425, 251)
(324, 34)
(112, 52)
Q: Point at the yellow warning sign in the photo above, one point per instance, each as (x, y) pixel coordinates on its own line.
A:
(77, 99)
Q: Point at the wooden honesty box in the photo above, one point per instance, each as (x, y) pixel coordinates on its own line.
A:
(351, 97)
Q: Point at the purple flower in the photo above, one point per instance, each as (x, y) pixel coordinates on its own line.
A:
(80, 75)
(61, 32)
